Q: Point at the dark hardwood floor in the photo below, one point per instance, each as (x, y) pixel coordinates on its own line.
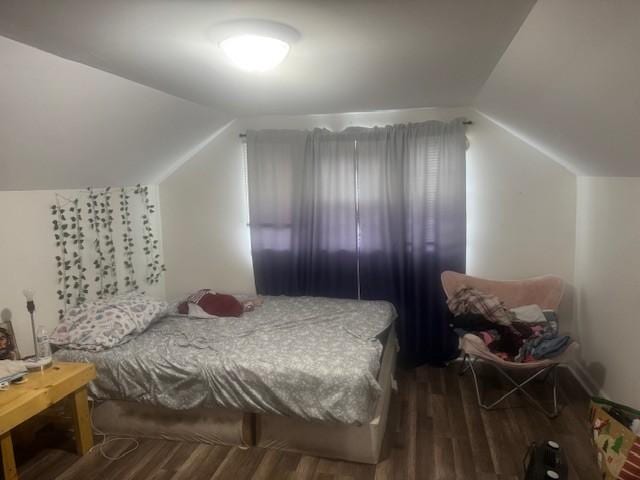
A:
(436, 431)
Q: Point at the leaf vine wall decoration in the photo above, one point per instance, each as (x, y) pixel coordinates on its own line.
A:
(93, 209)
(109, 266)
(110, 246)
(61, 234)
(79, 278)
(150, 248)
(128, 246)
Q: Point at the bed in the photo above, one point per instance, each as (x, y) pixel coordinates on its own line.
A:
(294, 371)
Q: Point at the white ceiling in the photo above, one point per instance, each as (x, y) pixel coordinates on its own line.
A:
(66, 125)
(353, 55)
(569, 83)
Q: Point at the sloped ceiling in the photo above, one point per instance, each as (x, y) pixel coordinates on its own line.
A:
(569, 83)
(67, 125)
(356, 55)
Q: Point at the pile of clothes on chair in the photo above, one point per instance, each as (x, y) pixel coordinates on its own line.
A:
(523, 334)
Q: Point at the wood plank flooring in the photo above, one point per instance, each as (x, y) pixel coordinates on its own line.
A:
(436, 431)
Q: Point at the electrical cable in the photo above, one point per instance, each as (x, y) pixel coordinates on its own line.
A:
(106, 441)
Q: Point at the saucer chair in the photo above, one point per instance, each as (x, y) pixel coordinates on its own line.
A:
(545, 291)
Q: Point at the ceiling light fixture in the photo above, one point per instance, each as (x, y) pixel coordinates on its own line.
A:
(254, 45)
(255, 53)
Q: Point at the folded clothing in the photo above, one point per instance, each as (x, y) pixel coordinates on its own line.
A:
(106, 323)
(542, 342)
(206, 303)
(471, 300)
(211, 303)
(545, 343)
(504, 334)
(529, 314)
(472, 322)
(507, 339)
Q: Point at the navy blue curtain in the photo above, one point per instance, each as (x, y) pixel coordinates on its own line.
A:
(375, 214)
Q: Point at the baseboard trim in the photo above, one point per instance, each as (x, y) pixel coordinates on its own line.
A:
(585, 379)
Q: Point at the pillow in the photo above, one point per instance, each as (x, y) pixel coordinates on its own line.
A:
(214, 304)
(106, 323)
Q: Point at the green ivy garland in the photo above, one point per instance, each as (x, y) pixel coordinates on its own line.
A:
(94, 210)
(61, 234)
(71, 271)
(109, 267)
(154, 267)
(127, 239)
(79, 278)
(70, 238)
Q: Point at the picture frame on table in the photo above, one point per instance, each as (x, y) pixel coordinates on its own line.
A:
(8, 344)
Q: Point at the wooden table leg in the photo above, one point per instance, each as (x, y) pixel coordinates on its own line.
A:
(82, 421)
(8, 460)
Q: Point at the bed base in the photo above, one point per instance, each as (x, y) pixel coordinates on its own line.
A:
(220, 426)
(216, 426)
(353, 443)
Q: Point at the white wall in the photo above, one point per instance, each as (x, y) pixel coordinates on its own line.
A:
(206, 237)
(67, 125)
(520, 207)
(521, 204)
(555, 84)
(608, 284)
(27, 257)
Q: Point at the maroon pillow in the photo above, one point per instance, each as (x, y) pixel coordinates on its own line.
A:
(217, 304)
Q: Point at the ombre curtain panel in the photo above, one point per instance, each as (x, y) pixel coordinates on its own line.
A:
(370, 213)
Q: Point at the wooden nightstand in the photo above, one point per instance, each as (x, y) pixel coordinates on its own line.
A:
(41, 390)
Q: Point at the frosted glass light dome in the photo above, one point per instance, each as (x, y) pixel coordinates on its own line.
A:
(255, 53)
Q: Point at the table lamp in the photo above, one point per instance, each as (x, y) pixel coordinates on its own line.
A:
(35, 363)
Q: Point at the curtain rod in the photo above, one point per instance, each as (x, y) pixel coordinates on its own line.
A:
(466, 122)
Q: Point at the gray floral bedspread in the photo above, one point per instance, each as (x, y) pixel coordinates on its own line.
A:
(309, 357)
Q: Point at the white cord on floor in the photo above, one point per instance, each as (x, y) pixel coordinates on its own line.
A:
(106, 442)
